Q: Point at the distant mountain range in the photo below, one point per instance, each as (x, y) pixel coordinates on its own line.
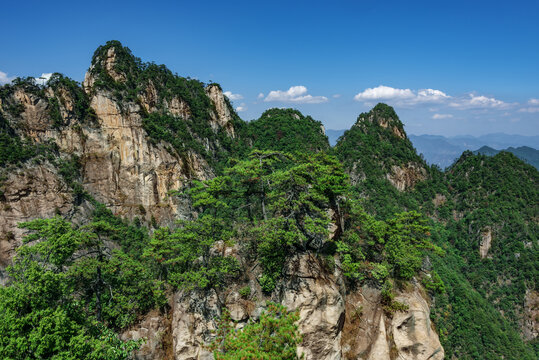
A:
(526, 153)
(443, 151)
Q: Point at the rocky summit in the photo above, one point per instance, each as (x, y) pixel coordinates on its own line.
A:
(141, 217)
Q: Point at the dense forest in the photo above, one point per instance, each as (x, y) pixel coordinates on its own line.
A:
(370, 206)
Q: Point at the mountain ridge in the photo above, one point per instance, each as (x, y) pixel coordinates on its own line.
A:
(160, 213)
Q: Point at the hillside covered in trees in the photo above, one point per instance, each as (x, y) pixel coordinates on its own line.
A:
(141, 217)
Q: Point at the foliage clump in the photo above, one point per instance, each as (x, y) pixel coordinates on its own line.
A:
(274, 336)
(71, 288)
(287, 130)
(69, 292)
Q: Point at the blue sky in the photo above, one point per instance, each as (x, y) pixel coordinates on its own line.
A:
(447, 67)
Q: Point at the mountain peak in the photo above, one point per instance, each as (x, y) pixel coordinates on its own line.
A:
(288, 130)
(112, 63)
(385, 116)
(377, 147)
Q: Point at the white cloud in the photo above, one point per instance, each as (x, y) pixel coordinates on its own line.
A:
(431, 95)
(533, 102)
(336, 96)
(442, 116)
(42, 80)
(409, 97)
(233, 96)
(241, 108)
(4, 79)
(479, 102)
(296, 94)
(260, 96)
(384, 93)
(402, 96)
(529, 110)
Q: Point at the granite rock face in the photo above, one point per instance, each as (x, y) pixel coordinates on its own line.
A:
(529, 322)
(318, 296)
(405, 177)
(133, 176)
(29, 193)
(334, 323)
(369, 333)
(120, 166)
(413, 333)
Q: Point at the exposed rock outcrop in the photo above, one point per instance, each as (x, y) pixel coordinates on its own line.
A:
(108, 63)
(530, 323)
(334, 324)
(370, 334)
(439, 200)
(122, 169)
(35, 119)
(222, 118)
(405, 177)
(120, 166)
(155, 331)
(31, 192)
(386, 123)
(193, 321)
(318, 295)
(412, 331)
(486, 242)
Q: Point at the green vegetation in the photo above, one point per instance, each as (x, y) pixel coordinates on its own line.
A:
(69, 292)
(73, 287)
(280, 199)
(525, 153)
(274, 337)
(184, 255)
(287, 130)
(283, 201)
(13, 149)
(370, 150)
(468, 324)
(377, 249)
(481, 194)
(134, 79)
(377, 147)
(68, 90)
(497, 196)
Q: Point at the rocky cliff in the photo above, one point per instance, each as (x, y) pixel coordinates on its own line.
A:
(335, 322)
(120, 164)
(130, 135)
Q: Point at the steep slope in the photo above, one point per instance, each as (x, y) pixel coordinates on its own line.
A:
(495, 226)
(281, 224)
(384, 167)
(134, 131)
(99, 161)
(377, 147)
(446, 198)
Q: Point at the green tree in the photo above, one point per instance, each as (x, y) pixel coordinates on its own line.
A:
(43, 314)
(184, 255)
(274, 337)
